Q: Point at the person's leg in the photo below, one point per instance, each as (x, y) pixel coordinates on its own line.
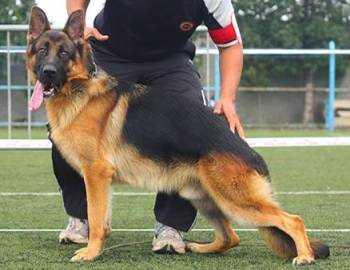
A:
(175, 212)
(74, 200)
(71, 185)
(176, 74)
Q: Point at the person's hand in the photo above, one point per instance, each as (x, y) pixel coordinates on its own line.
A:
(227, 107)
(93, 32)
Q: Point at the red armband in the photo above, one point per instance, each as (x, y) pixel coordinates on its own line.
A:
(223, 35)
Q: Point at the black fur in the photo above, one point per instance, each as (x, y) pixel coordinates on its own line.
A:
(167, 126)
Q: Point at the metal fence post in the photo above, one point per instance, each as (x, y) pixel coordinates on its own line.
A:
(331, 88)
(9, 99)
(207, 76)
(217, 77)
(29, 113)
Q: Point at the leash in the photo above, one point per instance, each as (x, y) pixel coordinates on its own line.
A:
(126, 245)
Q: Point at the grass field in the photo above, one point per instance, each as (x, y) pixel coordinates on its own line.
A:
(293, 169)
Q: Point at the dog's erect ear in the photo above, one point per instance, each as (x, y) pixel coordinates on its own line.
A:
(38, 23)
(75, 25)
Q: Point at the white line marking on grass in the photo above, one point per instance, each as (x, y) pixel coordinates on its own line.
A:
(317, 192)
(152, 230)
(29, 193)
(253, 142)
(311, 192)
(58, 193)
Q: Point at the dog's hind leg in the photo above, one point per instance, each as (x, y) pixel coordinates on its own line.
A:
(97, 178)
(245, 197)
(225, 237)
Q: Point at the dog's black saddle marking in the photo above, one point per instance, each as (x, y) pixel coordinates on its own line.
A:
(169, 127)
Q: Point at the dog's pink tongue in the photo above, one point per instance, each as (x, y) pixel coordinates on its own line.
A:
(37, 97)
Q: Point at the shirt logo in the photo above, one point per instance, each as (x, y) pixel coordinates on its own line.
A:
(186, 26)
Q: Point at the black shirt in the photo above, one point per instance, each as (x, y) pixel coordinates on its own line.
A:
(144, 30)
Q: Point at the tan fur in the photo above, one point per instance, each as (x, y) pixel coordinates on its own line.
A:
(225, 239)
(30, 65)
(245, 197)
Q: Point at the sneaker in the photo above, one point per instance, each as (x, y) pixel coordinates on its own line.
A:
(167, 240)
(77, 231)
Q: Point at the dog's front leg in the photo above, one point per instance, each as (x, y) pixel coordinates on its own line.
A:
(97, 178)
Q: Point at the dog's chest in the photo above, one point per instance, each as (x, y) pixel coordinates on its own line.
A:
(67, 145)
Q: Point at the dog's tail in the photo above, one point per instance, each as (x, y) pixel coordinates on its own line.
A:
(284, 247)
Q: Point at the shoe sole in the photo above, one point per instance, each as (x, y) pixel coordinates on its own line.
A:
(66, 241)
(167, 249)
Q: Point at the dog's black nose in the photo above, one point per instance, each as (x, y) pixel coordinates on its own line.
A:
(50, 71)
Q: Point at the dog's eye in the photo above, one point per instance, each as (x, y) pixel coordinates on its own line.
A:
(42, 51)
(64, 53)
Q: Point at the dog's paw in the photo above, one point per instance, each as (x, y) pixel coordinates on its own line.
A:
(303, 260)
(85, 255)
(195, 247)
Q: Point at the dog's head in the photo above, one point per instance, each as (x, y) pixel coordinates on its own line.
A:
(57, 58)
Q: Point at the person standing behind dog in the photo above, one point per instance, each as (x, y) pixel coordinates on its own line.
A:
(148, 42)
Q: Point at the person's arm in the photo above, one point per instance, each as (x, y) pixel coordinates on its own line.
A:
(231, 65)
(74, 5)
(224, 31)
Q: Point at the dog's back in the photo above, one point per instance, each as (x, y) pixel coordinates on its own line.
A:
(167, 126)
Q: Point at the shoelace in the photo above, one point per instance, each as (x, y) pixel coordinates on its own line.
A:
(169, 232)
(75, 225)
(71, 225)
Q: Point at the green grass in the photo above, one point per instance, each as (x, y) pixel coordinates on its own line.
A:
(41, 133)
(292, 169)
(22, 133)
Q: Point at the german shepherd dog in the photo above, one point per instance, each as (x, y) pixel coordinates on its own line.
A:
(110, 131)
